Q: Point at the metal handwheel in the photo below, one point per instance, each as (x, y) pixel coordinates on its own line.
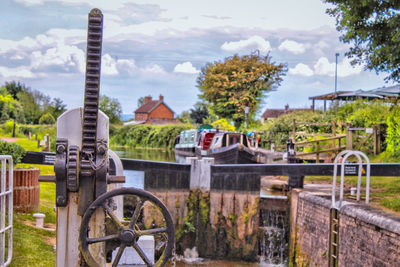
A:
(144, 214)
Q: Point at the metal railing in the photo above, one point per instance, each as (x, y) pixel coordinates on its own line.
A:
(344, 155)
(6, 210)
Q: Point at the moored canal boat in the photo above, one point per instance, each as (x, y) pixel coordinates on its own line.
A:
(185, 143)
(226, 147)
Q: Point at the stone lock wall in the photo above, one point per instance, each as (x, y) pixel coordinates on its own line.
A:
(214, 211)
(367, 236)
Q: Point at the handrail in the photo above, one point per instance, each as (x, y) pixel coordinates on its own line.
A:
(344, 155)
(6, 206)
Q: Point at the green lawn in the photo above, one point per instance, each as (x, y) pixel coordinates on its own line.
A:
(384, 191)
(33, 246)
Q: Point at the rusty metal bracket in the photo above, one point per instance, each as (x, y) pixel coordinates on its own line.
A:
(101, 167)
(61, 172)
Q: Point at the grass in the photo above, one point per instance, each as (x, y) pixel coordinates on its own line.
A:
(384, 191)
(31, 246)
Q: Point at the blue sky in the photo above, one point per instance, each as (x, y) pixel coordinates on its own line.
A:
(153, 47)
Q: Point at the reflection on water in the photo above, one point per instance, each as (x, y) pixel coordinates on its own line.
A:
(145, 153)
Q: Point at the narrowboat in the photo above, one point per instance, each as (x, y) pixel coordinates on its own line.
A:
(186, 142)
(226, 147)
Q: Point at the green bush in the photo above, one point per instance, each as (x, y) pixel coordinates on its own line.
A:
(278, 130)
(362, 113)
(47, 119)
(8, 127)
(393, 132)
(16, 151)
(148, 135)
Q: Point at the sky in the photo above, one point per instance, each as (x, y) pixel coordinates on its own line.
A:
(158, 47)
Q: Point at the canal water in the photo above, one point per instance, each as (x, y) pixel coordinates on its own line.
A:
(272, 244)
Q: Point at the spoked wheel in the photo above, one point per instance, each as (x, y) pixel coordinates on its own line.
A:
(144, 215)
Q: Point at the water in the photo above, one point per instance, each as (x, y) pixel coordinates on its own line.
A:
(274, 243)
(136, 178)
(145, 154)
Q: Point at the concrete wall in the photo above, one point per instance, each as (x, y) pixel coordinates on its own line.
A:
(367, 236)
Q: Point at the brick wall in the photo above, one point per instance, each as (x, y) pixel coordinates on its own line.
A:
(161, 112)
(367, 236)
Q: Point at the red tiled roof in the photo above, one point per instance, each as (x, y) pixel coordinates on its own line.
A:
(273, 113)
(149, 106)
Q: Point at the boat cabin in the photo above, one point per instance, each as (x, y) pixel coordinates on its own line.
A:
(187, 138)
(229, 138)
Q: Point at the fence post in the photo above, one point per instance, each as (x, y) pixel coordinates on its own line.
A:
(294, 130)
(293, 181)
(334, 135)
(377, 139)
(349, 138)
(317, 155)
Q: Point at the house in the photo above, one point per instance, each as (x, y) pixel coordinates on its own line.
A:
(275, 113)
(154, 112)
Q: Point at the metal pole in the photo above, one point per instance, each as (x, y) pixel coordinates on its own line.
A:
(337, 55)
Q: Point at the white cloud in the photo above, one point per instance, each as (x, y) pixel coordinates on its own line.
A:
(344, 68)
(154, 69)
(302, 70)
(186, 67)
(293, 47)
(19, 72)
(108, 65)
(323, 67)
(253, 43)
(69, 58)
(126, 65)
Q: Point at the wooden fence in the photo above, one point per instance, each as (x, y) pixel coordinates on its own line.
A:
(326, 146)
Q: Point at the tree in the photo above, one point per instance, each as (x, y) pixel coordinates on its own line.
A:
(372, 28)
(184, 117)
(111, 107)
(57, 107)
(14, 88)
(199, 112)
(47, 119)
(140, 101)
(31, 109)
(238, 82)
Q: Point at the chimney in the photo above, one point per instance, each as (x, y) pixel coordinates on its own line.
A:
(161, 98)
(286, 107)
(147, 99)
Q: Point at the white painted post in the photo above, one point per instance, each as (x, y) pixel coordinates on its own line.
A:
(200, 172)
(69, 126)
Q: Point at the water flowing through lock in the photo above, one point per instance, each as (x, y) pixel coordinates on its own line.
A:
(274, 236)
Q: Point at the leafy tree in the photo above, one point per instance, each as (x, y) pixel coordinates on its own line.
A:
(237, 82)
(199, 113)
(184, 117)
(31, 109)
(111, 107)
(140, 101)
(57, 107)
(14, 88)
(223, 124)
(10, 108)
(372, 28)
(47, 119)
